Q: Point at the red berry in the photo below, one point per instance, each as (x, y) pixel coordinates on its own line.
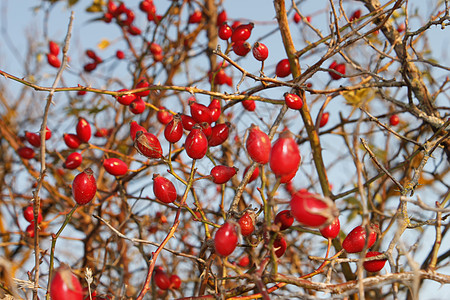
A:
(101, 132)
(258, 145)
(30, 230)
(91, 54)
(356, 240)
(33, 138)
(84, 187)
(161, 279)
(148, 145)
(142, 84)
(226, 239)
(244, 261)
(297, 18)
(133, 30)
(200, 113)
(288, 177)
(125, 99)
(279, 245)
(120, 54)
(219, 134)
(254, 175)
(195, 17)
(221, 174)
(164, 189)
(356, 15)
(312, 209)
(73, 161)
(249, 105)
(393, 120)
(28, 214)
(215, 108)
(90, 67)
(53, 48)
(196, 144)
(207, 129)
(115, 166)
(260, 51)
(284, 156)
(401, 28)
(48, 133)
(175, 281)
(331, 231)
(340, 68)
(72, 141)
(283, 68)
(137, 106)
(83, 130)
(324, 119)
(155, 49)
(247, 224)
(135, 128)
(293, 101)
(174, 130)
(242, 32)
(26, 152)
(241, 48)
(374, 265)
(308, 18)
(225, 31)
(65, 285)
(53, 61)
(221, 17)
(164, 116)
(235, 24)
(188, 122)
(284, 219)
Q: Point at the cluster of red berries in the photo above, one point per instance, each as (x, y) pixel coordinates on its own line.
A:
(297, 18)
(123, 16)
(34, 140)
(28, 214)
(52, 56)
(165, 282)
(339, 70)
(96, 60)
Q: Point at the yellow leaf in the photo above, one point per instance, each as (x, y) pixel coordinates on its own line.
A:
(39, 57)
(358, 97)
(103, 44)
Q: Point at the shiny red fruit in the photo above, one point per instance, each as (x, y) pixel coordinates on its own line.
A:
(297, 18)
(48, 133)
(195, 17)
(221, 18)
(200, 113)
(283, 68)
(312, 210)
(28, 214)
(242, 32)
(196, 144)
(91, 54)
(26, 152)
(216, 109)
(65, 285)
(244, 261)
(148, 145)
(137, 106)
(374, 265)
(340, 68)
(258, 145)
(83, 130)
(279, 245)
(324, 119)
(207, 129)
(101, 132)
(125, 99)
(175, 282)
(188, 122)
(356, 240)
(90, 67)
(72, 141)
(293, 101)
(254, 175)
(356, 15)
(164, 189)
(331, 231)
(164, 116)
(73, 161)
(284, 156)
(249, 105)
(30, 230)
(53, 61)
(120, 54)
(115, 166)
(226, 239)
(219, 134)
(84, 187)
(174, 130)
(135, 128)
(393, 120)
(221, 174)
(155, 49)
(241, 48)
(161, 278)
(225, 31)
(247, 224)
(260, 51)
(142, 84)
(284, 219)
(33, 138)
(53, 48)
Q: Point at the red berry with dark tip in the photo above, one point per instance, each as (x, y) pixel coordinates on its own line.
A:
(284, 156)
(283, 68)
(242, 32)
(83, 130)
(226, 239)
(260, 51)
(374, 265)
(120, 54)
(221, 18)
(135, 128)
(33, 138)
(73, 161)
(247, 223)
(174, 130)
(115, 166)
(161, 279)
(84, 187)
(241, 48)
(284, 219)
(222, 174)
(200, 113)
(258, 145)
(356, 240)
(142, 84)
(196, 144)
(148, 145)
(293, 101)
(137, 106)
(225, 31)
(164, 189)
(53, 61)
(188, 122)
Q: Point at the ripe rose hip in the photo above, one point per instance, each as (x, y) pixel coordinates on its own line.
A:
(200, 113)
(241, 48)
(125, 99)
(30, 230)
(297, 18)
(73, 161)
(221, 174)
(195, 17)
(356, 15)
(324, 119)
(72, 141)
(137, 106)
(120, 54)
(148, 145)
(143, 83)
(340, 68)
(356, 240)
(312, 210)
(393, 120)
(247, 224)
(207, 129)
(48, 133)
(255, 174)
(164, 189)
(226, 239)
(33, 138)
(244, 261)
(175, 282)
(188, 122)
(135, 128)
(196, 144)
(90, 67)
(331, 231)
(164, 116)
(225, 31)
(293, 101)
(215, 109)
(279, 245)
(28, 214)
(260, 51)
(249, 105)
(101, 132)
(174, 130)
(83, 130)
(115, 166)
(161, 278)
(53, 48)
(53, 61)
(284, 219)
(65, 285)
(258, 145)
(284, 156)
(221, 18)
(219, 134)
(242, 32)
(26, 152)
(84, 187)
(374, 265)
(283, 68)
